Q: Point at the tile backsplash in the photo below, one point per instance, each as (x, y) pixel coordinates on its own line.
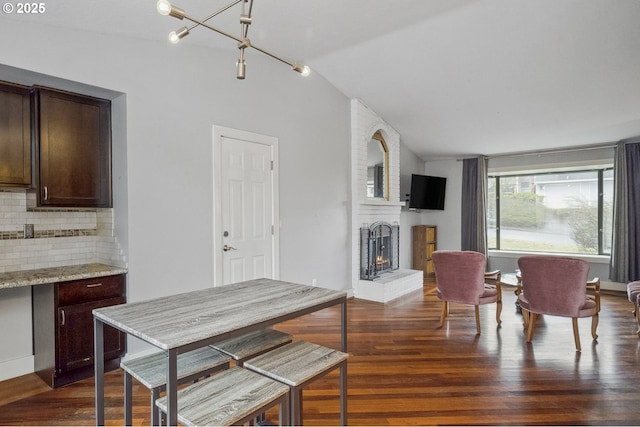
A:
(60, 237)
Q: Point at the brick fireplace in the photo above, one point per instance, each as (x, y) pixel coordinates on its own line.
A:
(395, 282)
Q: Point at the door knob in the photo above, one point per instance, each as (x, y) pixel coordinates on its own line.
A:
(227, 248)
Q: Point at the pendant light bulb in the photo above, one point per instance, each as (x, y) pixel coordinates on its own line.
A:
(304, 70)
(176, 36)
(163, 7)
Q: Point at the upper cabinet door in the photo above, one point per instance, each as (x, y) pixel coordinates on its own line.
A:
(15, 136)
(73, 149)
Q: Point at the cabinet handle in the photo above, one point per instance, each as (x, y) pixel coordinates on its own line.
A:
(94, 285)
(62, 318)
(46, 193)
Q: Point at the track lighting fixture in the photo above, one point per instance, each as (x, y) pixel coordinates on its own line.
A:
(164, 7)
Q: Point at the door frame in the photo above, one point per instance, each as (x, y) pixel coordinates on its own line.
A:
(220, 132)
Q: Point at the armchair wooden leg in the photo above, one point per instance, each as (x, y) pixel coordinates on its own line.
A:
(525, 318)
(445, 309)
(477, 320)
(532, 324)
(576, 333)
(594, 325)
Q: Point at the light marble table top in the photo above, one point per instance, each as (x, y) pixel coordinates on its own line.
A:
(41, 276)
(178, 320)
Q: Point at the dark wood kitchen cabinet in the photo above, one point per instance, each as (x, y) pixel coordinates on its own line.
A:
(72, 149)
(15, 136)
(63, 327)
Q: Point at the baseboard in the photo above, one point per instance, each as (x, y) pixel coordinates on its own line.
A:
(613, 286)
(16, 367)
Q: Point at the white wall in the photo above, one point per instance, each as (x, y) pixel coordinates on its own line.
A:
(448, 221)
(174, 94)
(409, 164)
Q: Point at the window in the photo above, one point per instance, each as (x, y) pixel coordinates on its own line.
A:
(564, 211)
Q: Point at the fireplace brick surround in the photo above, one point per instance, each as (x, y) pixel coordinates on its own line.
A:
(390, 285)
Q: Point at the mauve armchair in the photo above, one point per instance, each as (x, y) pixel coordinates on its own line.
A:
(556, 286)
(461, 278)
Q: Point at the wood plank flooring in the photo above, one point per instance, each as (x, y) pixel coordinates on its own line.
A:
(405, 370)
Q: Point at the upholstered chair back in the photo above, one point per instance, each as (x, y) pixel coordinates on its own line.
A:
(459, 276)
(554, 285)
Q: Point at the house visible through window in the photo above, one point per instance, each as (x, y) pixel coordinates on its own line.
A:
(555, 210)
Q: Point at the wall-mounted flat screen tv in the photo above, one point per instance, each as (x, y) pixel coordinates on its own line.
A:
(427, 192)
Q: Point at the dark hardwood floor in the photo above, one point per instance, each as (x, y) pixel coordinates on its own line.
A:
(405, 370)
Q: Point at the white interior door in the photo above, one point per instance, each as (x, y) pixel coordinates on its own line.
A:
(247, 216)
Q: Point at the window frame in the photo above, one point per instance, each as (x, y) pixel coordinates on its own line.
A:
(496, 176)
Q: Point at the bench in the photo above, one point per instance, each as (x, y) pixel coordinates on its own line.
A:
(234, 396)
(151, 371)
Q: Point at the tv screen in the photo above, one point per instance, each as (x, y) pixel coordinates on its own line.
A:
(427, 192)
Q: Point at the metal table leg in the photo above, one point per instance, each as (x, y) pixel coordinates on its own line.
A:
(343, 368)
(172, 387)
(98, 351)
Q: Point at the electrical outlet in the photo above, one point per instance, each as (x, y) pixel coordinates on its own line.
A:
(28, 231)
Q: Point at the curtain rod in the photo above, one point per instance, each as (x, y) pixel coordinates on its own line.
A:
(545, 152)
(557, 151)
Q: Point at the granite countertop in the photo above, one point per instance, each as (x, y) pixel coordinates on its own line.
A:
(16, 279)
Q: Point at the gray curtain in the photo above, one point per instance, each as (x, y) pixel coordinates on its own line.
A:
(474, 203)
(625, 248)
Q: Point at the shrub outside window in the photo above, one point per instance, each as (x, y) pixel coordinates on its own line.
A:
(556, 211)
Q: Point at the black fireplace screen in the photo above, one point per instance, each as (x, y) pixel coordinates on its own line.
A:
(379, 248)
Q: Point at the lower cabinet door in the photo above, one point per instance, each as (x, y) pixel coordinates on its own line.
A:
(75, 335)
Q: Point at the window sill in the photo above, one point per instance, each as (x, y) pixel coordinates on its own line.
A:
(594, 259)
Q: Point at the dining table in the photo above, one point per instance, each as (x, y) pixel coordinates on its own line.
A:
(182, 322)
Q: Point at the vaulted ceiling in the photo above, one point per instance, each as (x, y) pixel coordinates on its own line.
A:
(453, 77)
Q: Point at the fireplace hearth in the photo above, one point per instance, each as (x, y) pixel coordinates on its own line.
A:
(379, 249)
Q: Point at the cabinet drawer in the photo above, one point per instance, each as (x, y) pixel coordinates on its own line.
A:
(82, 291)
